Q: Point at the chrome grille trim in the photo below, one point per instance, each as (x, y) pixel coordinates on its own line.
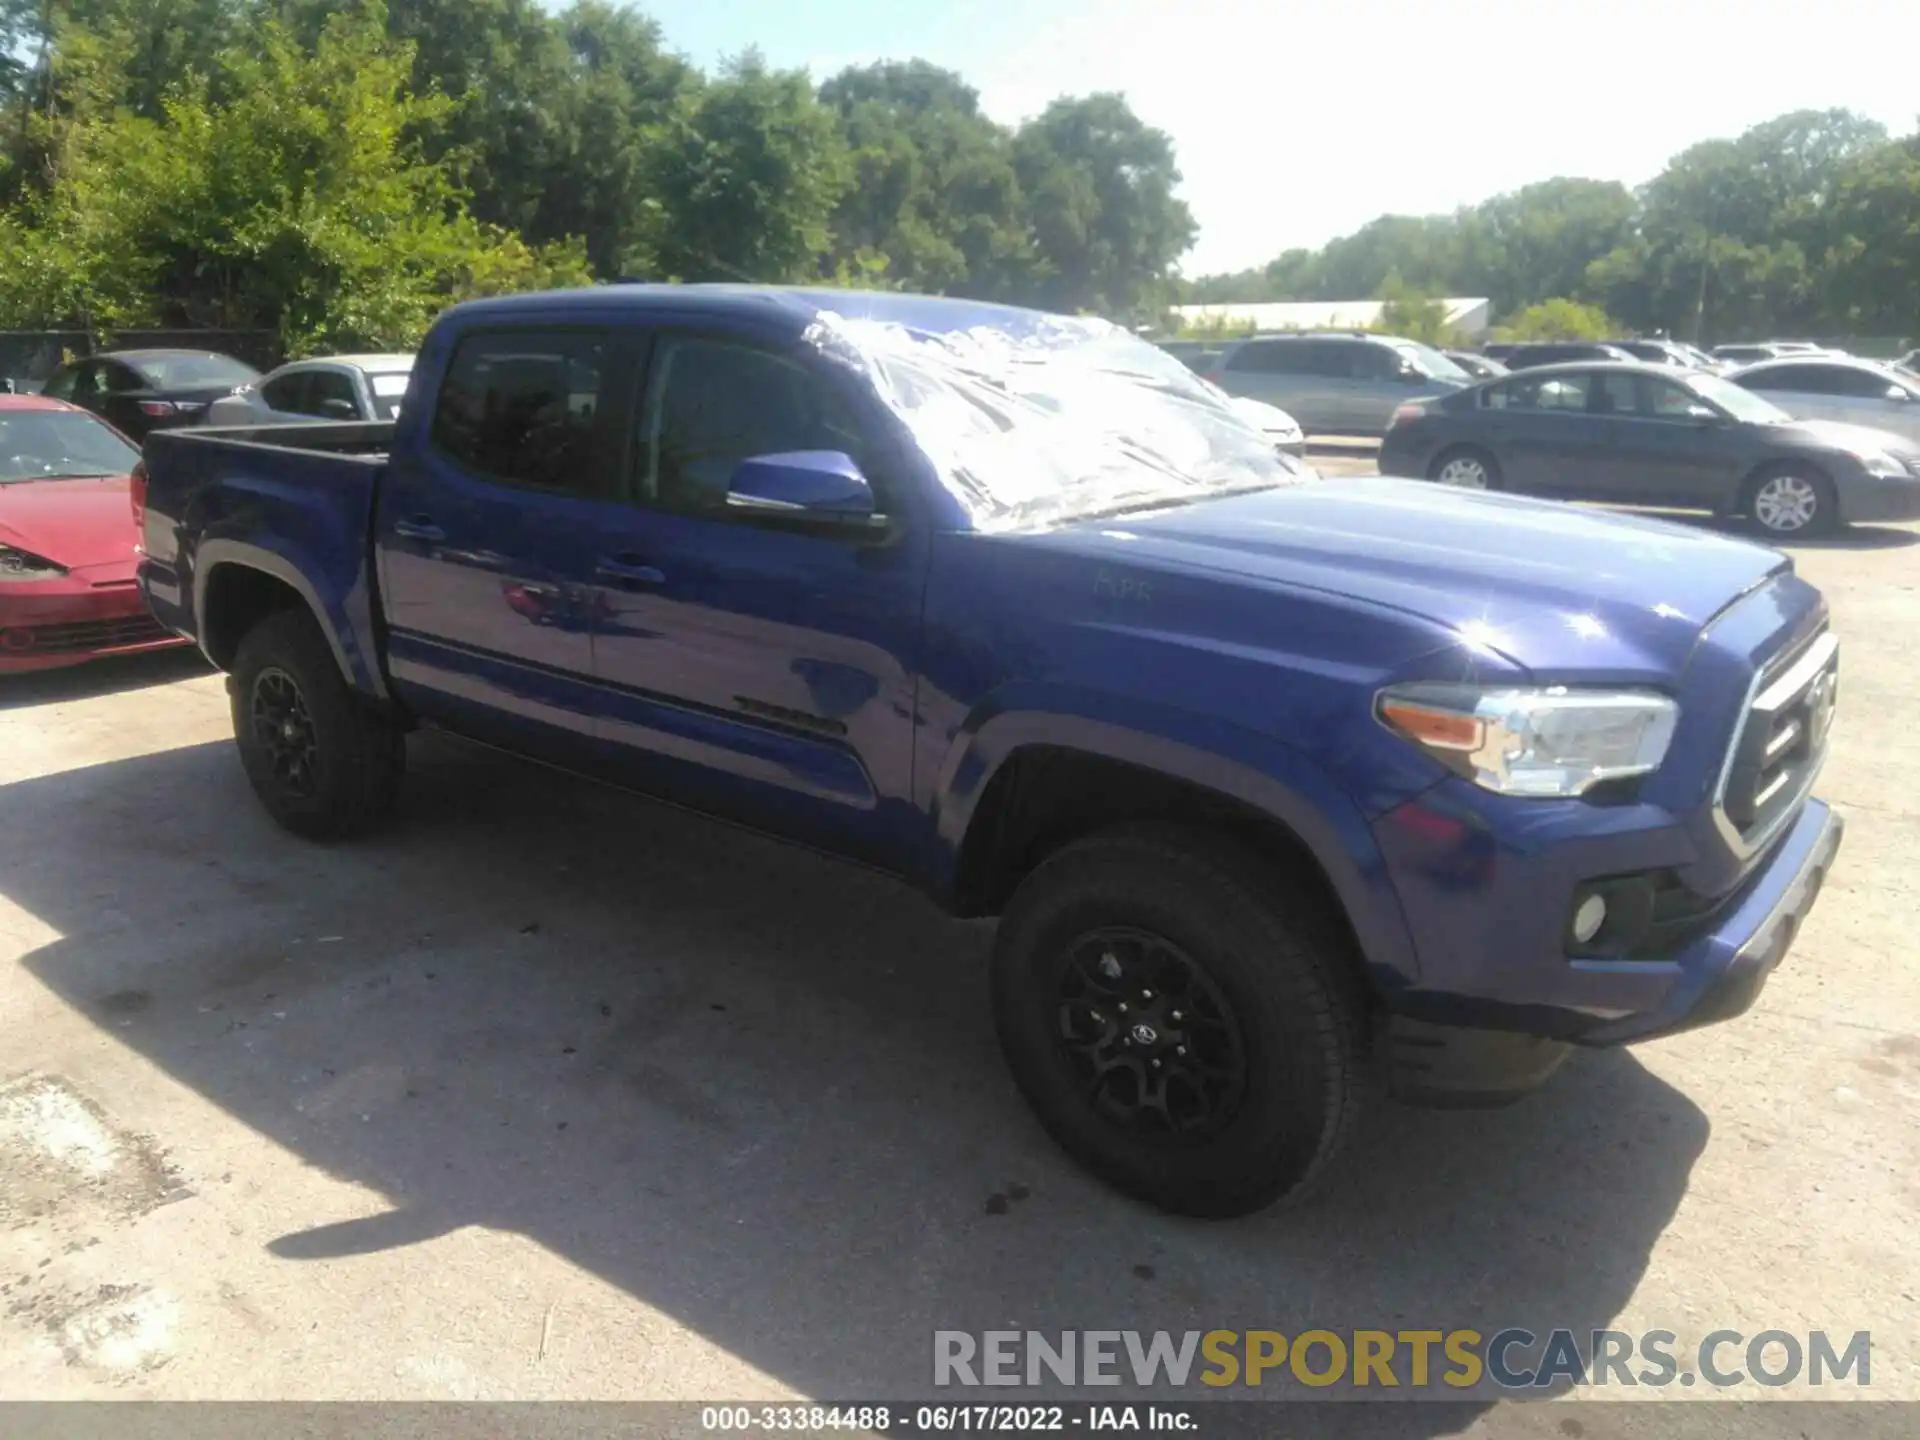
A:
(1772, 691)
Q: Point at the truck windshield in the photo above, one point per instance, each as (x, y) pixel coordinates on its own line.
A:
(1048, 419)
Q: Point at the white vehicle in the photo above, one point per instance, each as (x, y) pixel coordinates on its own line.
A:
(1824, 387)
(1270, 420)
(340, 387)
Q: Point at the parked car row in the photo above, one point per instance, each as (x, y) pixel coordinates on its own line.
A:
(67, 455)
(1652, 435)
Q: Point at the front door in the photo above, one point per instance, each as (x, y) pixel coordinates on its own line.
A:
(758, 667)
(1666, 446)
(486, 535)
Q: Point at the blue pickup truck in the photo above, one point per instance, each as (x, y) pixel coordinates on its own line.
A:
(1283, 790)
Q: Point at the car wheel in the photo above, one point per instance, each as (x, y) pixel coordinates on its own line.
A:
(1792, 501)
(1186, 1024)
(325, 764)
(1467, 469)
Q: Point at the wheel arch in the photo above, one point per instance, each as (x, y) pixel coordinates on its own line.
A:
(1031, 784)
(237, 585)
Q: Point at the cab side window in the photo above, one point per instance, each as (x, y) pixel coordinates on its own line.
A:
(712, 403)
(520, 407)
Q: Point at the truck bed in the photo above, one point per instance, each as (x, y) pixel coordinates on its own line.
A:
(293, 502)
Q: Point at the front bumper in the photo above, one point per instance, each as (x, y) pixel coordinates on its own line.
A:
(1721, 975)
(1874, 497)
(45, 625)
(1488, 1034)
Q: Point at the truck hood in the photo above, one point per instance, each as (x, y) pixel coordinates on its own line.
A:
(76, 523)
(1565, 592)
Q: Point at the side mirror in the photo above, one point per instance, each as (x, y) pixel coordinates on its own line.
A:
(819, 485)
(337, 409)
(1408, 373)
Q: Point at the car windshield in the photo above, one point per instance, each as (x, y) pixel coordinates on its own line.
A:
(1429, 361)
(59, 445)
(1043, 419)
(1737, 401)
(168, 372)
(388, 391)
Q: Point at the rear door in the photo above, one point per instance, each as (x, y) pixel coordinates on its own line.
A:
(1543, 435)
(1271, 371)
(752, 665)
(487, 533)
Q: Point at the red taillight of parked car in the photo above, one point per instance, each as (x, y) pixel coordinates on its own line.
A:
(1404, 413)
(159, 409)
(137, 498)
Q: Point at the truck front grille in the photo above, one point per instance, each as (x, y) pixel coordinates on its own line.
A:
(1779, 743)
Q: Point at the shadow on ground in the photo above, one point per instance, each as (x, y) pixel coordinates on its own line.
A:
(754, 1088)
(103, 677)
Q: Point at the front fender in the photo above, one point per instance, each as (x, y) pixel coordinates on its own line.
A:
(346, 619)
(1258, 771)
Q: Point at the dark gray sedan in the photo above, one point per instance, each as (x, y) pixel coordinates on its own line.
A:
(1647, 435)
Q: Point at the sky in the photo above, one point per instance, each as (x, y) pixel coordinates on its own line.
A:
(1297, 123)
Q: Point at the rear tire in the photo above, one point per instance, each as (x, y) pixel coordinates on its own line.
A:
(325, 764)
(1127, 947)
(1791, 502)
(1466, 467)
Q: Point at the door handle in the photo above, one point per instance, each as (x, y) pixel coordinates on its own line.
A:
(629, 570)
(419, 527)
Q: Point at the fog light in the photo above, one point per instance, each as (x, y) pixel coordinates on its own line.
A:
(1590, 915)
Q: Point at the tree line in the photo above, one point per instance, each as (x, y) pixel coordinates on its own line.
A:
(1805, 225)
(337, 170)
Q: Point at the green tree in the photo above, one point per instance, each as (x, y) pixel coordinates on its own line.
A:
(1559, 319)
(1871, 269)
(747, 179)
(1106, 222)
(933, 183)
(299, 202)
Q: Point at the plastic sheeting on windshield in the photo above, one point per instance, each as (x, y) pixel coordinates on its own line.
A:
(1044, 418)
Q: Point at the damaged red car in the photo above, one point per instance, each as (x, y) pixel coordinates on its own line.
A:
(67, 540)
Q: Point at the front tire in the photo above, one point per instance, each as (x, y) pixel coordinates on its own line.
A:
(1792, 502)
(1186, 1024)
(326, 765)
(1466, 468)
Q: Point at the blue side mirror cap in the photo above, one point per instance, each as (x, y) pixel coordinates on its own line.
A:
(826, 484)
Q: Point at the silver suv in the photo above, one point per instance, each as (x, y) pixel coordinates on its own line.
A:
(1341, 384)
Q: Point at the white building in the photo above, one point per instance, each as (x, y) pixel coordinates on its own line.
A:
(1470, 315)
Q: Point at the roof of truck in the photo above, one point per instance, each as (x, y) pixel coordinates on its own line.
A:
(919, 312)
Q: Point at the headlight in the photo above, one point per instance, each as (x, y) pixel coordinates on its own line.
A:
(1882, 465)
(23, 565)
(1541, 742)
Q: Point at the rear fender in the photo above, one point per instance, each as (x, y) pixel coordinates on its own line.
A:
(346, 620)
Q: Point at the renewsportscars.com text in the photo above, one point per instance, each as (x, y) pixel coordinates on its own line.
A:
(1513, 1359)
